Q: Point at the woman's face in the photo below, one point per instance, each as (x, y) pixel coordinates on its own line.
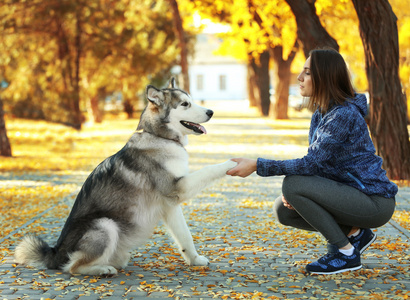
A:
(305, 80)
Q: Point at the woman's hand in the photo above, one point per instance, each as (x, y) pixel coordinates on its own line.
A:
(286, 203)
(244, 168)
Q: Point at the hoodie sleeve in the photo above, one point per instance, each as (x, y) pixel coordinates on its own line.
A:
(300, 166)
(323, 150)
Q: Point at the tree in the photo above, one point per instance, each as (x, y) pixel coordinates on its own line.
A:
(311, 33)
(261, 81)
(35, 40)
(5, 149)
(388, 122)
(278, 33)
(182, 44)
(244, 41)
(400, 7)
(280, 109)
(61, 54)
(268, 31)
(340, 20)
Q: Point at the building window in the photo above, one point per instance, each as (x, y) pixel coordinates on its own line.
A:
(222, 82)
(200, 82)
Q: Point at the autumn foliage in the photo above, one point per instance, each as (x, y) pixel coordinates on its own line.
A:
(60, 57)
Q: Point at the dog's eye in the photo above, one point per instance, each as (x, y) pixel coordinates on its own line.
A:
(184, 104)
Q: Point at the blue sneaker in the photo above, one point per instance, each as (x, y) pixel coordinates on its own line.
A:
(335, 262)
(365, 238)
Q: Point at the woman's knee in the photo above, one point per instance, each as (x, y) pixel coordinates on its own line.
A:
(277, 206)
(291, 185)
(281, 213)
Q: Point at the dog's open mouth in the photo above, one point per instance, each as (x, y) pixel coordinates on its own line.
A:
(194, 126)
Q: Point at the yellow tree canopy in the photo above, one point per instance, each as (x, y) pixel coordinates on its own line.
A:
(113, 45)
(340, 20)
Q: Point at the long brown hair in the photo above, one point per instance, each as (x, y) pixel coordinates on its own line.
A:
(331, 83)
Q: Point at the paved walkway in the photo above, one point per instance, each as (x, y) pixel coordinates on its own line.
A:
(251, 255)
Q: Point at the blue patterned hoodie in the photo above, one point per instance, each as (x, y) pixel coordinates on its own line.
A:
(340, 148)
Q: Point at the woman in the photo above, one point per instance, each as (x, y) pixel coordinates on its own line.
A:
(339, 188)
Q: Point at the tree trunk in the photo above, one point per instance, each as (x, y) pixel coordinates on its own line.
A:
(283, 76)
(261, 71)
(259, 75)
(95, 112)
(70, 95)
(280, 108)
(77, 118)
(253, 92)
(310, 31)
(182, 44)
(5, 149)
(387, 115)
(128, 109)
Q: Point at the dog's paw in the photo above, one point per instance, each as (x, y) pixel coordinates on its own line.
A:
(200, 261)
(229, 164)
(107, 270)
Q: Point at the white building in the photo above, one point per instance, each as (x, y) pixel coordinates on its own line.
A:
(215, 77)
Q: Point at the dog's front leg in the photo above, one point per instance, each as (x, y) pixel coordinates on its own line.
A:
(176, 224)
(193, 183)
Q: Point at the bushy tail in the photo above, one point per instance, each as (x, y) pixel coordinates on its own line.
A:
(33, 251)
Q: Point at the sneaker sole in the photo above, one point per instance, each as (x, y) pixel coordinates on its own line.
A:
(338, 271)
(368, 244)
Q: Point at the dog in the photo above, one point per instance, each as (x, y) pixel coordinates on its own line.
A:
(123, 199)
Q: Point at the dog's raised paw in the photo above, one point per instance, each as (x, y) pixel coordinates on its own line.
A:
(200, 261)
(229, 164)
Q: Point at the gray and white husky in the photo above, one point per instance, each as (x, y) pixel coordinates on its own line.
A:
(124, 198)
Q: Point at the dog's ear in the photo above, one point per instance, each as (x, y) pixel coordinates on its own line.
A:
(172, 83)
(154, 95)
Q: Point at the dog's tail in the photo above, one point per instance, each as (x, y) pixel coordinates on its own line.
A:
(34, 251)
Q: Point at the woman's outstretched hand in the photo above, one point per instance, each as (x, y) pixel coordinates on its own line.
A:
(244, 168)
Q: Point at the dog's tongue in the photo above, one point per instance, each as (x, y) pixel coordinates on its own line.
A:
(200, 128)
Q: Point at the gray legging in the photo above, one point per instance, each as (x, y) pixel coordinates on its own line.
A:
(330, 207)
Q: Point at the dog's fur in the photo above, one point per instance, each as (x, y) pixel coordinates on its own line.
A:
(124, 198)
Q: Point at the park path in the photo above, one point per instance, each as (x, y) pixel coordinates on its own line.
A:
(252, 256)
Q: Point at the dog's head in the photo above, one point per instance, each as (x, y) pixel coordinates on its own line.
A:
(171, 113)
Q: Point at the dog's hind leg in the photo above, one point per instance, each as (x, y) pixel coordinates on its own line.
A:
(95, 250)
(175, 221)
(81, 263)
(121, 258)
